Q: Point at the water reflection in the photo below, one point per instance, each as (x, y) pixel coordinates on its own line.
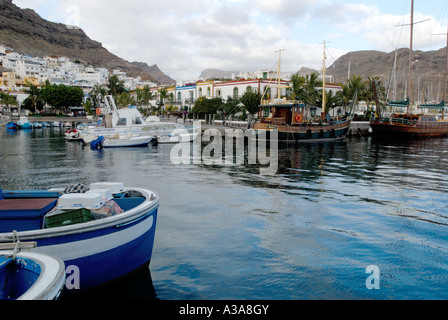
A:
(308, 232)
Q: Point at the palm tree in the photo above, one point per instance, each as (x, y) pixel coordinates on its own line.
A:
(144, 96)
(35, 98)
(7, 99)
(98, 92)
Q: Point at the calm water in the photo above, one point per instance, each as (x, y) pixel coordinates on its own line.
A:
(310, 232)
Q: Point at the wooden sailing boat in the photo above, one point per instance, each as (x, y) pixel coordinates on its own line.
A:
(412, 124)
(297, 122)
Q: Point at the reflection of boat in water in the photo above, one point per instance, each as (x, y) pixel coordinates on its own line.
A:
(30, 276)
(106, 231)
(130, 120)
(295, 121)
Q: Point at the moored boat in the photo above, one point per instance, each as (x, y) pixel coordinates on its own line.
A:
(105, 232)
(295, 121)
(12, 126)
(73, 135)
(412, 124)
(30, 276)
(24, 123)
(130, 120)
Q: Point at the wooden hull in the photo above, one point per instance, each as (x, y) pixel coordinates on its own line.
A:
(307, 133)
(418, 130)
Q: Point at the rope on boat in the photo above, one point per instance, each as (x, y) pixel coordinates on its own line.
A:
(16, 244)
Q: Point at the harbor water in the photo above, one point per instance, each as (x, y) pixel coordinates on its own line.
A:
(309, 232)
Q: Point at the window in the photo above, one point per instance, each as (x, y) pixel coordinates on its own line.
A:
(121, 122)
(208, 92)
(179, 97)
(235, 93)
(200, 92)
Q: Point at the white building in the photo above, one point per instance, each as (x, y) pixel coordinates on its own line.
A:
(30, 68)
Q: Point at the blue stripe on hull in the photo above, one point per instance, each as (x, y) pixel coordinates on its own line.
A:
(98, 265)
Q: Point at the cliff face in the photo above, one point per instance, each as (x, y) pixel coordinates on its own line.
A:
(427, 68)
(26, 32)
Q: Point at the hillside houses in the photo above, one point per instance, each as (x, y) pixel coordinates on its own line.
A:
(57, 70)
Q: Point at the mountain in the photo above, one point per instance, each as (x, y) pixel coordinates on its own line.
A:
(217, 74)
(26, 32)
(428, 69)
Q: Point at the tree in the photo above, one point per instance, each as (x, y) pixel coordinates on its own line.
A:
(207, 106)
(98, 93)
(144, 96)
(251, 100)
(115, 86)
(61, 96)
(125, 100)
(35, 101)
(7, 99)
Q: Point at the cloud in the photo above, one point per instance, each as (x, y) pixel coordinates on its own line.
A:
(185, 37)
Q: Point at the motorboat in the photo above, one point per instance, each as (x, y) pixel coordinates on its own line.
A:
(12, 126)
(30, 276)
(73, 135)
(105, 230)
(24, 123)
(130, 120)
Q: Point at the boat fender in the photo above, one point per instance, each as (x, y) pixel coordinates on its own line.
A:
(1, 194)
(97, 144)
(298, 118)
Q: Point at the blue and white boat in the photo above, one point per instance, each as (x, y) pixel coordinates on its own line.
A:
(30, 276)
(37, 125)
(130, 120)
(12, 126)
(105, 232)
(24, 123)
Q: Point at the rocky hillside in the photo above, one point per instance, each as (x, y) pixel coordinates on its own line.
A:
(26, 32)
(428, 69)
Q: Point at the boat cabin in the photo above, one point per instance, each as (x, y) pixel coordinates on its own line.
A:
(293, 113)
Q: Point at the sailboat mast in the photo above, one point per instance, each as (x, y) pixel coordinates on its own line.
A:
(446, 70)
(324, 96)
(410, 53)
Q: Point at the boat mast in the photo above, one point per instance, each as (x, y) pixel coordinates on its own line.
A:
(445, 78)
(324, 96)
(279, 72)
(410, 54)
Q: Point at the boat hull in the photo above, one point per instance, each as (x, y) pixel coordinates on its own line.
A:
(30, 276)
(434, 129)
(306, 133)
(102, 250)
(133, 142)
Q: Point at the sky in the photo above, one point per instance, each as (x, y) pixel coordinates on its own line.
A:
(186, 37)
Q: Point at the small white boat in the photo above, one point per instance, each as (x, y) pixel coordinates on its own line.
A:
(30, 276)
(37, 125)
(130, 120)
(106, 231)
(127, 140)
(119, 140)
(73, 135)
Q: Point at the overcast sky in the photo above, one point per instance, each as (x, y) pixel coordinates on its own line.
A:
(185, 37)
